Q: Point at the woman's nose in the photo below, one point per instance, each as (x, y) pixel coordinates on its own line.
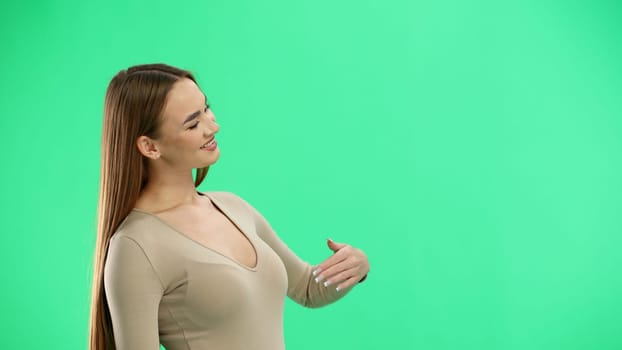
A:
(212, 126)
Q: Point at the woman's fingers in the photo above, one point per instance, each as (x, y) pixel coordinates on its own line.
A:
(347, 284)
(344, 268)
(342, 276)
(334, 272)
(334, 259)
(334, 246)
(342, 271)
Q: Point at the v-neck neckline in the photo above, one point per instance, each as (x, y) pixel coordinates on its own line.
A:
(227, 215)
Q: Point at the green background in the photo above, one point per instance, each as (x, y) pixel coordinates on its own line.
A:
(471, 148)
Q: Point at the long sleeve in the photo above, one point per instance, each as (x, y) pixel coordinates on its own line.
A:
(133, 291)
(302, 287)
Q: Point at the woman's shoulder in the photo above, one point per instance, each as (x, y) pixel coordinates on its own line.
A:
(223, 196)
(228, 199)
(218, 193)
(140, 226)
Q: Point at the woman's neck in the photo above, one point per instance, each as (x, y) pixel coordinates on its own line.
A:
(167, 192)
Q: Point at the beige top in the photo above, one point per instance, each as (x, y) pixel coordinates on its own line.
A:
(164, 287)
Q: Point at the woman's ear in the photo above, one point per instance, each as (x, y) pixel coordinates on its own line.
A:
(147, 147)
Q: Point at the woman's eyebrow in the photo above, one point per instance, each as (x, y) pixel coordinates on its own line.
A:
(195, 114)
(192, 116)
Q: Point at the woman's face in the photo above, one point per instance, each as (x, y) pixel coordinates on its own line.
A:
(188, 128)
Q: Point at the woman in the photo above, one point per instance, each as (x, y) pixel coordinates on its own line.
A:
(175, 266)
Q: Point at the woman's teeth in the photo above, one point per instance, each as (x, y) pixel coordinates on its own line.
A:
(209, 144)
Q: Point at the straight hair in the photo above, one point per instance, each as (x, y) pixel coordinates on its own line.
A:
(133, 107)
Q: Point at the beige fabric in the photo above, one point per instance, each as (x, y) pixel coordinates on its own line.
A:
(164, 287)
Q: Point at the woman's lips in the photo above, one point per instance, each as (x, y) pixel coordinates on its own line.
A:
(210, 145)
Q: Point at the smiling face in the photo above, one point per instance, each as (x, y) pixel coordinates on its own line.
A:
(186, 136)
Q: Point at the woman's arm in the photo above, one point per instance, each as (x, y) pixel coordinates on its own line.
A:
(302, 288)
(133, 291)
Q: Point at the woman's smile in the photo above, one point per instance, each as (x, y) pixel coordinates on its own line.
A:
(210, 145)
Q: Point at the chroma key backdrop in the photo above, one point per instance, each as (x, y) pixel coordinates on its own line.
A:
(473, 150)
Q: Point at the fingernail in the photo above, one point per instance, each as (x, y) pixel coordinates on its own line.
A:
(326, 284)
(315, 272)
(338, 289)
(319, 278)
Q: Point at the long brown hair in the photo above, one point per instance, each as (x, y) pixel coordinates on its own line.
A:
(133, 106)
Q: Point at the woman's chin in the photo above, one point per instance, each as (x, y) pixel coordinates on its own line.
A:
(213, 158)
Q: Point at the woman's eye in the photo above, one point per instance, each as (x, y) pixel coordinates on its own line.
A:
(194, 126)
